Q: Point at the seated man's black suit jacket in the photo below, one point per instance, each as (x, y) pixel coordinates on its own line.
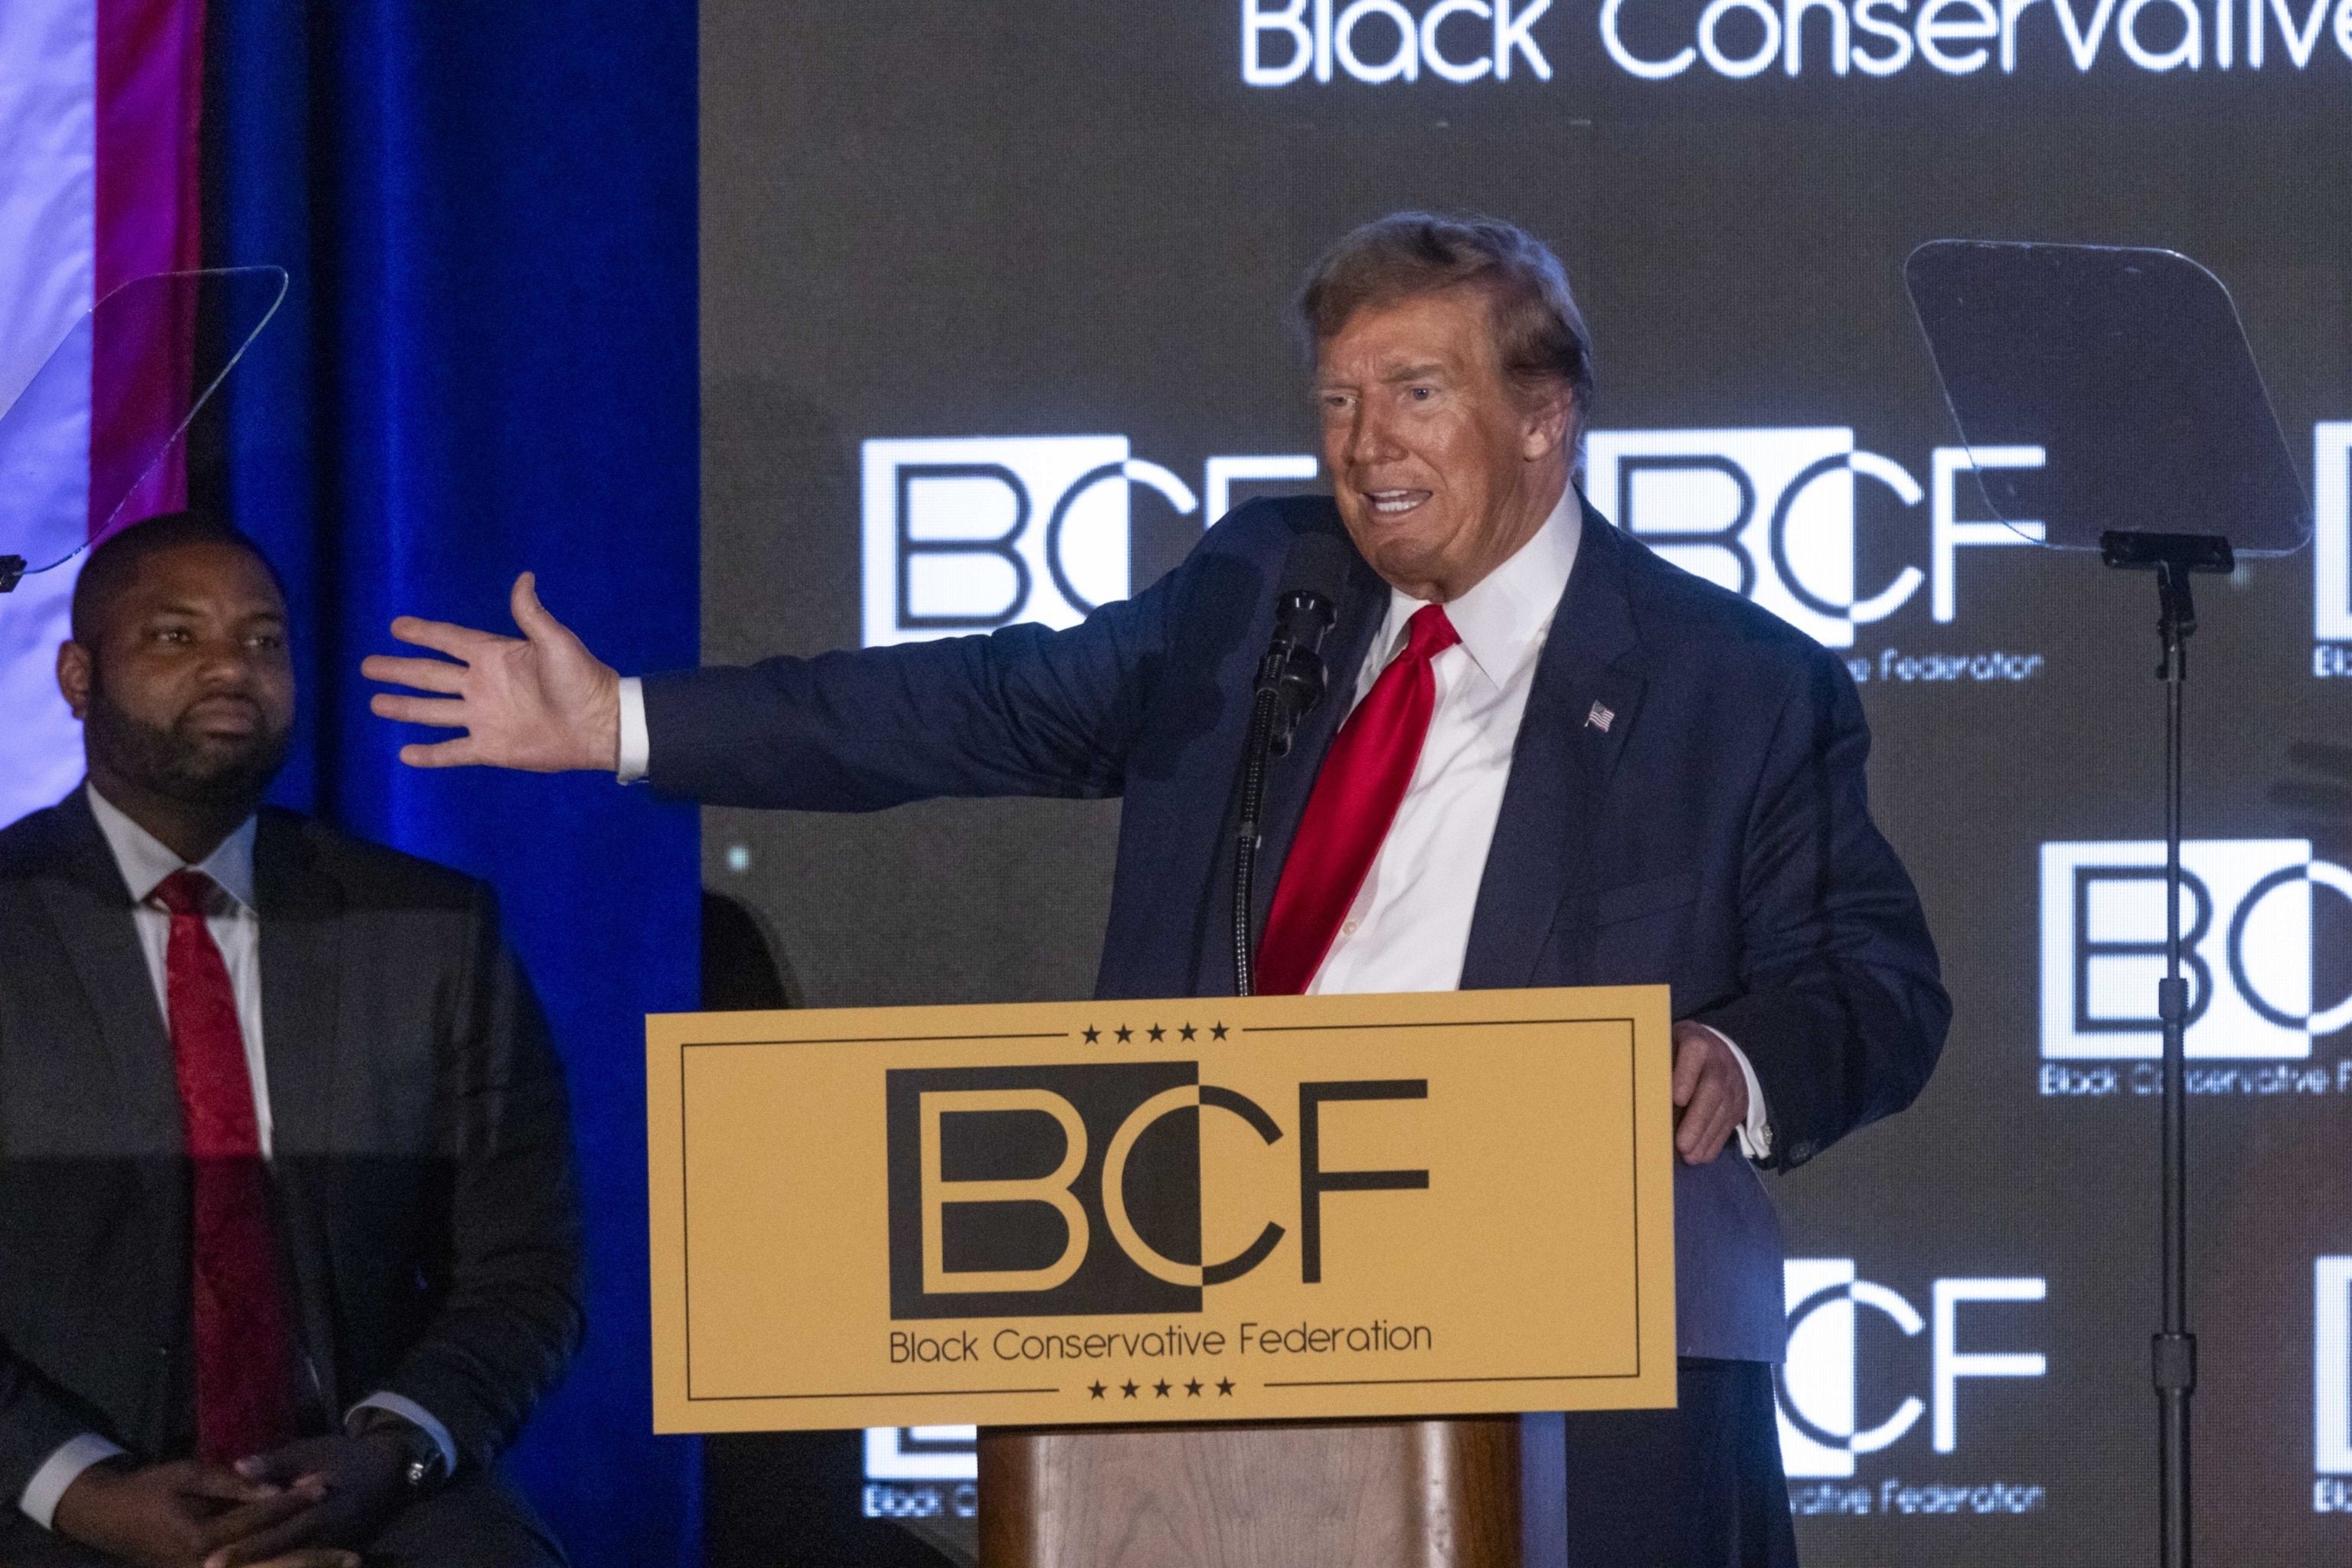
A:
(423, 1176)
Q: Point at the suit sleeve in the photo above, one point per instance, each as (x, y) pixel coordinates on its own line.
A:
(1842, 1010)
(37, 1419)
(1023, 710)
(510, 1319)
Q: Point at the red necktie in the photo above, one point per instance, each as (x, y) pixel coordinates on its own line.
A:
(245, 1353)
(1354, 799)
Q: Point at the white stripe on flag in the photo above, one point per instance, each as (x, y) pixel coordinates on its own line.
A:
(49, 77)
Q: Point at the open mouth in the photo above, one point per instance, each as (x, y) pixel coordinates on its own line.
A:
(1395, 503)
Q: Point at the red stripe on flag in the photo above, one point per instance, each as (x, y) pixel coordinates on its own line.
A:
(150, 104)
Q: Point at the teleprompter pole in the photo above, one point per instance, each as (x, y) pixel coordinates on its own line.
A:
(2174, 1348)
(2173, 557)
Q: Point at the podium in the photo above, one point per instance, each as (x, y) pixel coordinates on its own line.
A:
(1401, 1494)
(1224, 1282)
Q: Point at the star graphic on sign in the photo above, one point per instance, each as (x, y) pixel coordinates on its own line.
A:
(1217, 1032)
(1093, 1034)
(1095, 1390)
(1224, 1387)
(1192, 1389)
(1161, 1388)
(1128, 1389)
(1125, 1033)
(1157, 1034)
(1187, 1032)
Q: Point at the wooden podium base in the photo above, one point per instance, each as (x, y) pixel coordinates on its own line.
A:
(1382, 1494)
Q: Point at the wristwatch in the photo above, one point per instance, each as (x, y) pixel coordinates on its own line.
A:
(422, 1465)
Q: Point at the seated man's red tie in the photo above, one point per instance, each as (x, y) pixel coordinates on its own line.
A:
(1356, 797)
(245, 1347)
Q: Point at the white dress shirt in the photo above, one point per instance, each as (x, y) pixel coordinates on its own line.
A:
(1409, 928)
(145, 861)
(636, 744)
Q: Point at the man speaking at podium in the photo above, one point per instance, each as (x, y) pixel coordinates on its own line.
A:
(1548, 758)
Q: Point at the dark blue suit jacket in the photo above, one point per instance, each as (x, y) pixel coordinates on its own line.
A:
(1713, 835)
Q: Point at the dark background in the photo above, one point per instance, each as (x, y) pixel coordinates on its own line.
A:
(966, 217)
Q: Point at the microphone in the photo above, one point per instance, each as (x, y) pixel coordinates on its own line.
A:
(1305, 608)
(1290, 680)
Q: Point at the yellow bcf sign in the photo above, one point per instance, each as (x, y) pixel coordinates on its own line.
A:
(1280, 1207)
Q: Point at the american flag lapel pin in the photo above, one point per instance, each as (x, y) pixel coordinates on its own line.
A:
(1599, 719)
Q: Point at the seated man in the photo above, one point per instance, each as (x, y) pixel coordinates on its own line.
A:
(289, 1231)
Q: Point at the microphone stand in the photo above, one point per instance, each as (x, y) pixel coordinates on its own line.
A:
(1289, 682)
(2173, 557)
(1254, 758)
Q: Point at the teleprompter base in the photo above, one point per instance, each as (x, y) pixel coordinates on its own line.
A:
(1382, 1494)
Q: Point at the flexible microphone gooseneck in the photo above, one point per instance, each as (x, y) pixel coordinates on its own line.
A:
(1290, 683)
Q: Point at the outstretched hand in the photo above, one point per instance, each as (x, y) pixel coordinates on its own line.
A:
(540, 702)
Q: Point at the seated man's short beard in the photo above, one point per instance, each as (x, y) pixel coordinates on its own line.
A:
(196, 771)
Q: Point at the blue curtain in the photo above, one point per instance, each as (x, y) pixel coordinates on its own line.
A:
(488, 363)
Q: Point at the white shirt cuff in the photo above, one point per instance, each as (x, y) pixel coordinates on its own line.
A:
(409, 1410)
(58, 1472)
(1755, 1134)
(637, 745)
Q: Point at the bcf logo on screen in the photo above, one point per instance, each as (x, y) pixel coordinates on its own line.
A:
(2331, 1365)
(1822, 1425)
(1766, 513)
(2331, 542)
(969, 533)
(2246, 947)
(1770, 514)
(1075, 1189)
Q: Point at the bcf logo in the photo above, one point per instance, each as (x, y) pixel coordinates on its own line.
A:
(922, 1453)
(2246, 947)
(1822, 1425)
(966, 535)
(2332, 1369)
(1075, 1189)
(1770, 514)
(2331, 537)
